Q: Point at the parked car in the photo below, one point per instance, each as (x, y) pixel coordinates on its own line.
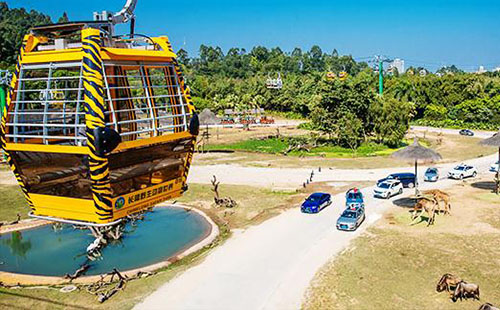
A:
(388, 188)
(494, 167)
(351, 219)
(353, 198)
(462, 171)
(406, 178)
(316, 202)
(431, 174)
(466, 132)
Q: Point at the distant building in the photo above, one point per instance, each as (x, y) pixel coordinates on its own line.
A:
(497, 69)
(481, 70)
(398, 64)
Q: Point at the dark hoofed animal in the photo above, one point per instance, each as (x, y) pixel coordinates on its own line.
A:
(488, 306)
(465, 290)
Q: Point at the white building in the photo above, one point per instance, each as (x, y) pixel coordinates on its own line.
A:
(481, 70)
(399, 64)
(497, 69)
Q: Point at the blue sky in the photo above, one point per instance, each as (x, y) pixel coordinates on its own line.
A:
(428, 33)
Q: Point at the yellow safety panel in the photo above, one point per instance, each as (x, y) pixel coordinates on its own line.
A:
(148, 197)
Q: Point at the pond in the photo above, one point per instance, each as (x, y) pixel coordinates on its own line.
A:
(43, 251)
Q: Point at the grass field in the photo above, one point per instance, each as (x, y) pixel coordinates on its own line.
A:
(278, 146)
(13, 203)
(397, 266)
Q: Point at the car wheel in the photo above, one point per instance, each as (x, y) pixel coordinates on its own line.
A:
(474, 174)
(400, 191)
(411, 185)
(461, 177)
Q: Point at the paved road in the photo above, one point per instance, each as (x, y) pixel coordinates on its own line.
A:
(269, 266)
(294, 177)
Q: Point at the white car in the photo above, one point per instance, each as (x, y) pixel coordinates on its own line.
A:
(462, 171)
(388, 188)
(494, 167)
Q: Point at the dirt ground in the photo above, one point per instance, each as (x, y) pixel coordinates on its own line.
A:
(397, 266)
(451, 147)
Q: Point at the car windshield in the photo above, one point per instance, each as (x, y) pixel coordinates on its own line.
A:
(460, 168)
(314, 198)
(384, 185)
(432, 170)
(349, 214)
(354, 196)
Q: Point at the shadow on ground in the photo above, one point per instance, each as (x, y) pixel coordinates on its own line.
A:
(486, 185)
(405, 202)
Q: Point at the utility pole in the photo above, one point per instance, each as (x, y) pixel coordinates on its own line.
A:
(380, 61)
(380, 77)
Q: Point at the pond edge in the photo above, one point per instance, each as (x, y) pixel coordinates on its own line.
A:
(10, 278)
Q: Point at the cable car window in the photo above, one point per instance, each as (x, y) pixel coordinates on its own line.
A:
(47, 106)
(54, 174)
(167, 99)
(143, 167)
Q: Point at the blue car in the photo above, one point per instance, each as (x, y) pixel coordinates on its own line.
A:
(431, 175)
(354, 198)
(316, 202)
(407, 179)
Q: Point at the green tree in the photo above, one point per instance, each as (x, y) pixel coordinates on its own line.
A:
(14, 24)
(63, 19)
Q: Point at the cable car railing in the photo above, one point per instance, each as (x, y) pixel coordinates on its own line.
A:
(49, 102)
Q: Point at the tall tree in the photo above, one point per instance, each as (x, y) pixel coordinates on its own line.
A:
(14, 24)
(63, 19)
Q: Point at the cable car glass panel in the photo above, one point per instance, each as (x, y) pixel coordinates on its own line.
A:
(47, 106)
(146, 101)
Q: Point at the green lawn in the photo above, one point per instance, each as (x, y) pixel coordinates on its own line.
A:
(13, 202)
(278, 146)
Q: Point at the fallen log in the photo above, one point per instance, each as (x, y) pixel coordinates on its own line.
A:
(80, 271)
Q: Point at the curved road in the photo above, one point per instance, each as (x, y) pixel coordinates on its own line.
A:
(270, 266)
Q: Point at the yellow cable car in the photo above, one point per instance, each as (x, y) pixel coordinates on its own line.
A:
(96, 126)
(343, 75)
(331, 75)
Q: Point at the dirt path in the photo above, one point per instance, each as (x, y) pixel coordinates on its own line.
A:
(7, 177)
(294, 177)
(269, 266)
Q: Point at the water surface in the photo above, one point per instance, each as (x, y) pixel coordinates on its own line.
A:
(43, 251)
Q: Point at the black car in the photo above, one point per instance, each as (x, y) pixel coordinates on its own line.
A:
(466, 132)
(406, 178)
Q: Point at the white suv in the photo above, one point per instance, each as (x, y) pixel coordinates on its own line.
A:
(388, 188)
(462, 171)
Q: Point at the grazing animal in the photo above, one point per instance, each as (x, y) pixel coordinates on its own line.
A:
(427, 205)
(440, 197)
(447, 282)
(465, 290)
(488, 306)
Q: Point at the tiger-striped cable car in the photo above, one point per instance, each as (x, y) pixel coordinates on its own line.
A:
(97, 126)
(331, 75)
